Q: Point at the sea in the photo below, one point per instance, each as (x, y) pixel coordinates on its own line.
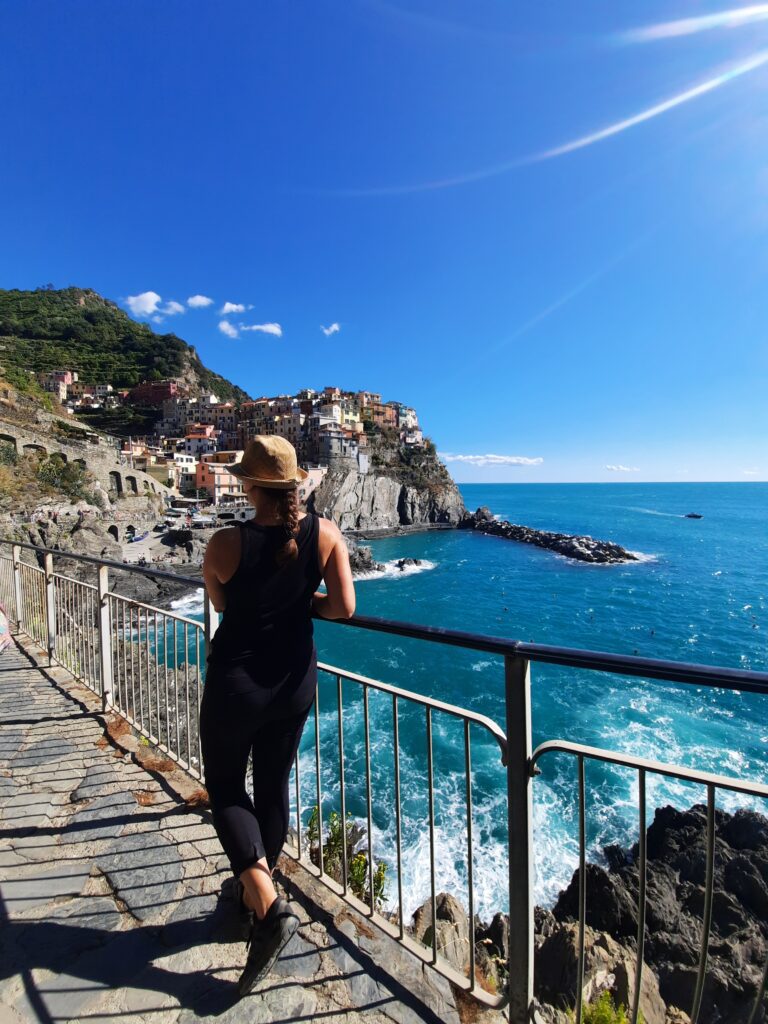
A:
(698, 593)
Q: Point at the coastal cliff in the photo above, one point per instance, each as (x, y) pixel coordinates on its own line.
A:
(405, 489)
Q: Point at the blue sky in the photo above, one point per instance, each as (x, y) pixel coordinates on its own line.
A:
(544, 226)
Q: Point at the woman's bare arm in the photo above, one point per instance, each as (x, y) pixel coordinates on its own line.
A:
(217, 564)
(339, 601)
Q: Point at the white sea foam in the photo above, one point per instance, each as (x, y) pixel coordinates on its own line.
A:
(655, 512)
(189, 604)
(640, 556)
(391, 570)
(481, 666)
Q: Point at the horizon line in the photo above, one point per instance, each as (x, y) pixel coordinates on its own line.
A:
(559, 483)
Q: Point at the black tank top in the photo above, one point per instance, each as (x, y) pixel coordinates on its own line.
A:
(268, 614)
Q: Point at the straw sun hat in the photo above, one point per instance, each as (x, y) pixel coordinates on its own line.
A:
(269, 461)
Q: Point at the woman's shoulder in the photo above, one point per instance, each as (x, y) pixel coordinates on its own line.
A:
(223, 541)
(327, 526)
(328, 535)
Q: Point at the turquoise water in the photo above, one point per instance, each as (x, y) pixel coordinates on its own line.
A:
(699, 594)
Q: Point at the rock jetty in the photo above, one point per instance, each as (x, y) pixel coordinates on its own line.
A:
(583, 549)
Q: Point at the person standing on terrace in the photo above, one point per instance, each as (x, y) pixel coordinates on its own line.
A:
(262, 675)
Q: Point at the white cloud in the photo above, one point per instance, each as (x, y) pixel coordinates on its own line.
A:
(751, 472)
(275, 329)
(233, 307)
(148, 304)
(690, 26)
(491, 460)
(333, 329)
(143, 305)
(227, 328)
(157, 319)
(199, 301)
(623, 469)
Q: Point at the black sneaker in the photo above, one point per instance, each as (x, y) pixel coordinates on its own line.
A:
(267, 940)
(245, 916)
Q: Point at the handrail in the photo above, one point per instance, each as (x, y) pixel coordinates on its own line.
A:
(649, 767)
(573, 657)
(111, 643)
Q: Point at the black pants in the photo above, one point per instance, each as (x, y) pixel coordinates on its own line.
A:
(247, 711)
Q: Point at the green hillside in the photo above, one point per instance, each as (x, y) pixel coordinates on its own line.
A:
(77, 329)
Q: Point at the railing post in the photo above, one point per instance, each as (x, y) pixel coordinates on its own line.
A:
(50, 606)
(105, 639)
(210, 623)
(517, 683)
(16, 550)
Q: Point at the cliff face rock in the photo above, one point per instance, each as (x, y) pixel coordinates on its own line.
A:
(738, 945)
(370, 501)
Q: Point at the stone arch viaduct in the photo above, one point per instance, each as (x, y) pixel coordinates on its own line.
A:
(117, 479)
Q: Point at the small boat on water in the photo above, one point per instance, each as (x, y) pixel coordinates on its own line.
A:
(693, 515)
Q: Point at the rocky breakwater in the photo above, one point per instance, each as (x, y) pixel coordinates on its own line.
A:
(675, 896)
(583, 549)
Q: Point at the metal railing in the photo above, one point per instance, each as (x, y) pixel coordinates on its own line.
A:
(146, 663)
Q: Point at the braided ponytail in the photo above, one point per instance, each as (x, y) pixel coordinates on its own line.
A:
(287, 511)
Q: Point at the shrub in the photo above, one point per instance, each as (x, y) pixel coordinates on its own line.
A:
(66, 477)
(357, 863)
(604, 1011)
(8, 454)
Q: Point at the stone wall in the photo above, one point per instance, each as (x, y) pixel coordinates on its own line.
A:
(116, 479)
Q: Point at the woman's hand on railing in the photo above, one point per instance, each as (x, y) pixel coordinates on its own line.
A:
(324, 607)
(339, 601)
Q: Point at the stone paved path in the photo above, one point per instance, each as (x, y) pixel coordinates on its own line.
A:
(114, 895)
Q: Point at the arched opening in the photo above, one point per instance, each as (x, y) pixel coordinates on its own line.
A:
(81, 463)
(113, 530)
(33, 449)
(59, 455)
(131, 485)
(115, 483)
(130, 532)
(9, 439)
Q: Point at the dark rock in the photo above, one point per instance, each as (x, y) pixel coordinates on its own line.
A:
(616, 857)
(742, 878)
(498, 933)
(361, 558)
(676, 873)
(746, 831)
(610, 906)
(401, 563)
(582, 549)
(662, 906)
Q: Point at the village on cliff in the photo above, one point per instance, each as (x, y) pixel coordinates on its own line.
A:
(198, 435)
